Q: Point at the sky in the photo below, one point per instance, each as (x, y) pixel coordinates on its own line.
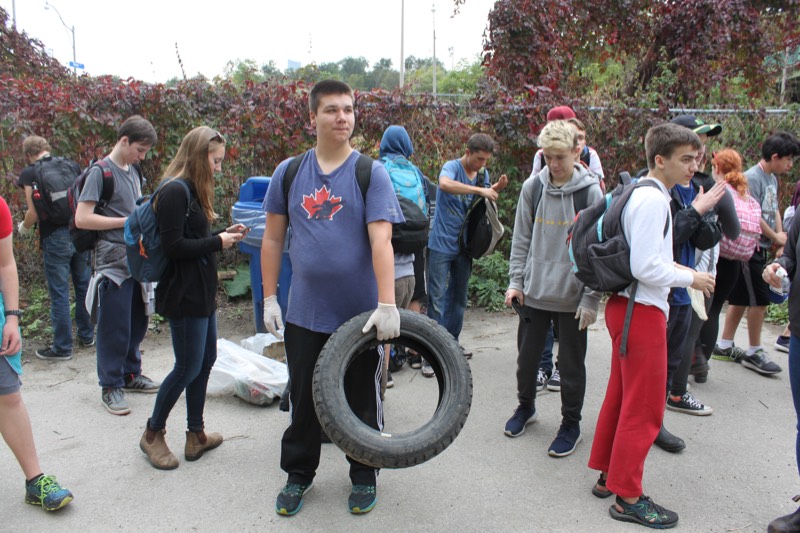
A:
(137, 39)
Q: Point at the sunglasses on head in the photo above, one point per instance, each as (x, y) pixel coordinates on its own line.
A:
(217, 137)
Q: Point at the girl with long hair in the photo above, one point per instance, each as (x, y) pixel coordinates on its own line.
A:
(186, 294)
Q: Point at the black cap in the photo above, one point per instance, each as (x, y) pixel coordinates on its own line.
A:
(697, 125)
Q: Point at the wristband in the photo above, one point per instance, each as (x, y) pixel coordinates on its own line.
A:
(13, 312)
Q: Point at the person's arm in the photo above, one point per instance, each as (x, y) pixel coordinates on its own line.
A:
(521, 242)
(272, 251)
(380, 240)
(171, 205)
(86, 218)
(31, 217)
(9, 285)
(728, 219)
(777, 237)
(452, 186)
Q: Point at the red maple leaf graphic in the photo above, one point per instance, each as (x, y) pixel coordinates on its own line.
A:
(322, 206)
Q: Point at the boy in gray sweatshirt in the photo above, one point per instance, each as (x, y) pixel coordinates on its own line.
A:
(542, 286)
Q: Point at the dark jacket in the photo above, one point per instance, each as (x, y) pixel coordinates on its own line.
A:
(688, 225)
(789, 262)
(189, 285)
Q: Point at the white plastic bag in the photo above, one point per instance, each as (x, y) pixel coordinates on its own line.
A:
(265, 344)
(248, 375)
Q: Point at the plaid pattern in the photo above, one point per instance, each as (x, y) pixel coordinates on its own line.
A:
(749, 212)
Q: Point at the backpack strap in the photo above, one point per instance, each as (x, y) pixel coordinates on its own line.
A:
(108, 183)
(580, 199)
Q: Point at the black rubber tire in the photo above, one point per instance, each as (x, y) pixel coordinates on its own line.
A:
(372, 447)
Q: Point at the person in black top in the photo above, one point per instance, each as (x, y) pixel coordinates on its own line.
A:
(186, 293)
(61, 260)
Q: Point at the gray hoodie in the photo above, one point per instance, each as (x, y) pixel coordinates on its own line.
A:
(539, 265)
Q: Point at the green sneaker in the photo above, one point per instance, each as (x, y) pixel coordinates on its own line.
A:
(362, 499)
(46, 492)
(731, 355)
(290, 498)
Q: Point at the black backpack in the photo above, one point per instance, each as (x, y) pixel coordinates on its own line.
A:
(481, 230)
(599, 251)
(53, 178)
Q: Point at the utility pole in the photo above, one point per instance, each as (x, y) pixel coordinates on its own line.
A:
(433, 10)
(402, 38)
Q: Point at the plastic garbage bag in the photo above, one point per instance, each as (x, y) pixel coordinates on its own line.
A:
(248, 375)
(265, 344)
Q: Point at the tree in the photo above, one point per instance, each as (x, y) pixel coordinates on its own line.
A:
(23, 57)
(677, 48)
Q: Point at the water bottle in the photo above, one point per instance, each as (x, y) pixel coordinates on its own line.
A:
(785, 282)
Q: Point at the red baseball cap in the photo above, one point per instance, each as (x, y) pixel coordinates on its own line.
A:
(561, 112)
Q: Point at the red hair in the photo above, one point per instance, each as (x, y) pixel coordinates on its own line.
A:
(729, 164)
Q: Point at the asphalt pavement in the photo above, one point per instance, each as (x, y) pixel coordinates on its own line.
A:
(737, 473)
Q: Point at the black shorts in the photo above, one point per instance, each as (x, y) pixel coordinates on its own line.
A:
(420, 295)
(751, 290)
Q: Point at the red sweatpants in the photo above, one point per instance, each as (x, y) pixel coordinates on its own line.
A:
(633, 408)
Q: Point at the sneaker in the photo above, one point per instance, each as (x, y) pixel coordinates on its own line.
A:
(415, 361)
(87, 344)
(49, 355)
(541, 379)
(389, 380)
(522, 417)
(46, 492)
(427, 370)
(567, 439)
(140, 383)
(701, 377)
(732, 354)
(554, 383)
(782, 344)
(114, 400)
(687, 404)
(760, 363)
(644, 512)
(362, 499)
(290, 498)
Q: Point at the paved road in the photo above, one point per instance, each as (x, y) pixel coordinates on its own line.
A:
(737, 473)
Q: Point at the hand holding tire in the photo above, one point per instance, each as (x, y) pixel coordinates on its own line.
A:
(386, 320)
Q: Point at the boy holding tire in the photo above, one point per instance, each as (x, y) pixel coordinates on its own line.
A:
(342, 266)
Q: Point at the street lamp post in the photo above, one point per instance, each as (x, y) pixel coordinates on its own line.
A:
(48, 5)
(402, 37)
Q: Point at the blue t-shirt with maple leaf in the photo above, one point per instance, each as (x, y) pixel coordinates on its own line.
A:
(332, 275)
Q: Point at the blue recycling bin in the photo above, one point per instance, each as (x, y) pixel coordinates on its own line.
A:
(248, 211)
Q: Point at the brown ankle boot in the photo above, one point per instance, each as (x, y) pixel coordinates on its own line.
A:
(156, 449)
(197, 443)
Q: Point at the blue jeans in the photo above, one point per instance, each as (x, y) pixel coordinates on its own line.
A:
(194, 341)
(794, 380)
(121, 326)
(546, 363)
(60, 261)
(448, 275)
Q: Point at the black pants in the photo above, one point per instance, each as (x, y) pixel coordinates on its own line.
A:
(571, 359)
(680, 318)
(301, 442)
(728, 273)
(681, 377)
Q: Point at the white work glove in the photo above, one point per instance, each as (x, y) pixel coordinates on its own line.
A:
(272, 316)
(386, 319)
(23, 231)
(586, 316)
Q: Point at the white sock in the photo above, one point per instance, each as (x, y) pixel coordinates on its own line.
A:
(724, 344)
(752, 349)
